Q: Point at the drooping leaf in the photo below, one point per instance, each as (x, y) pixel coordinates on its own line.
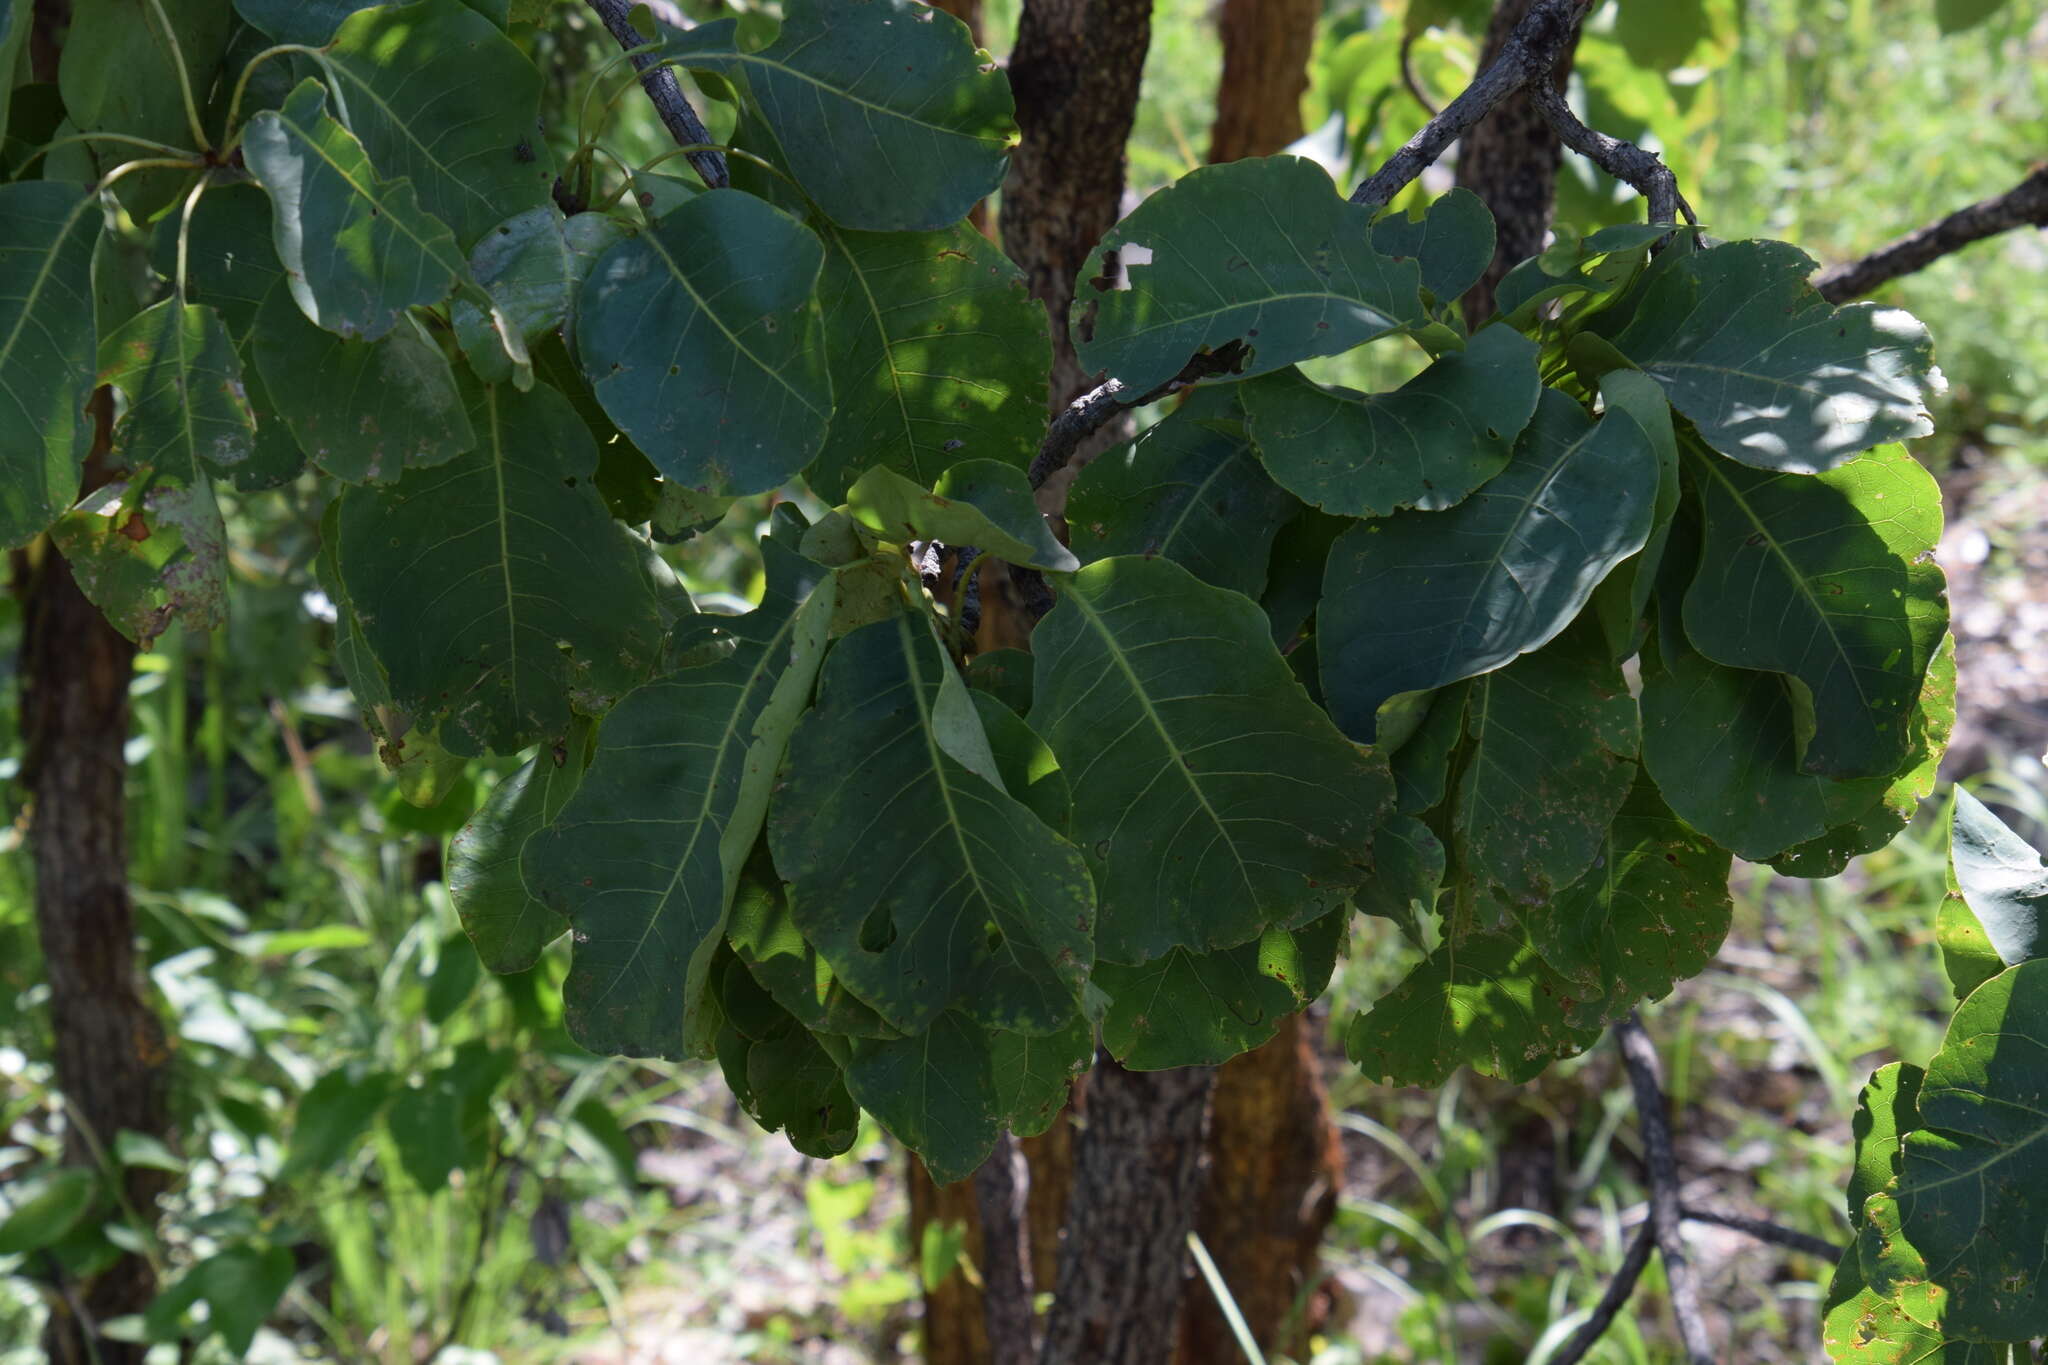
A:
(1550, 755)
(982, 503)
(938, 353)
(1214, 800)
(358, 250)
(800, 1091)
(1830, 580)
(187, 410)
(700, 338)
(1421, 599)
(533, 265)
(1769, 372)
(364, 411)
(1188, 488)
(495, 587)
(509, 925)
(146, 563)
(850, 87)
(1964, 1229)
(644, 860)
(1428, 444)
(786, 966)
(920, 881)
(443, 99)
(1408, 869)
(1263, 250)
(2003, 880)
(1026, 763)
(1421, 762)
(1452, 242)
(47, 231)
(1202, 1009)
(935, 1091)
(1034, 1075)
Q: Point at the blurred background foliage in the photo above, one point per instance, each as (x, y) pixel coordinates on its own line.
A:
(388, 1155)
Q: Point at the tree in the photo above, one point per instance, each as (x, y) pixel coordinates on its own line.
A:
(1303, 652)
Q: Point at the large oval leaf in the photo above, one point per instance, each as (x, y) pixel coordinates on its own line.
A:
(1421, 599)
(47, 232)
(1263, 250)
(1215, 801)
(1832, 581)
(700, 338)
(187, 410)
(919, 879)
(883, 109)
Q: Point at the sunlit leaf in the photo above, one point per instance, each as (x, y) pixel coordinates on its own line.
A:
(981, 503)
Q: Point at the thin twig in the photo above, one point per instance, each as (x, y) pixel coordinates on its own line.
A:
(2025, 204)
(1625, 161)
(1408, 74)
(1000, 1187)
(1094, 409)
(660, 84)
(1611, 1303)
(1764, 1231)
(1639, 1056)
(1531, 51)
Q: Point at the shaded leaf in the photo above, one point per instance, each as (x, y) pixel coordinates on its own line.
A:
(1955, 16)
(783, 962)
(332, 1116)
(935, 1091)
(183, 382)
(311, 22)
(125, 80)
(1034, 1075)
(47, 232)
(240, 1286)
(533, 265)
(978, 502)
(1452, 241)
(509, 925)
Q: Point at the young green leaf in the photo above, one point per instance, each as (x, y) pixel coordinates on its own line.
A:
(47, 233)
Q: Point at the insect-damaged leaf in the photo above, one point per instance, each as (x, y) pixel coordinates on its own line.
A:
(700, 338)
(1214, 800)
(495, 587)
(47, 232)
(918, 878)
(358, 250)
(1263, 250)
(644, 860)
(883, 110)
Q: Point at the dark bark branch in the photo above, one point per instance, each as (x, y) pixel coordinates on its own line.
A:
(1625, 161)
(1532, 51)
(2024, 205)
(1105, 402)
(1639, 1056)
(661, 86)
(1764, 1231)
(1000, 1187)
(1613, 1300)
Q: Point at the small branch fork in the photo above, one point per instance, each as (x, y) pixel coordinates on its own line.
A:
(1090, 412)
(667, 94)
(1642, 171)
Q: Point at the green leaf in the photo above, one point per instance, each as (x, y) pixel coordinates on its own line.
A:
(1026, 764)
(47, 233)
(1832, 581)
(1202, 1009)
(1034, 1075)
(1215, 801)
(700, 338)
(496, 587)
(146, 565)
(332, 1117)
(1965, 1227)
(1650, 913)
(935, 1091)
(783, 962)
(124, 79)
(1428, 444)
(1550, 747)
(1408, 870)
(17, 18)
(1596, 267)
(183, 381)
(981, 503)
(1189, 489)
(230, 260)
(40, 1215)
(357, 250)
(443, 99)
(2003, 880)
(533, 266)
(1453, 242)
(884, 110)
(1967, 956)
(938, 354)
(1955, 16)
(644, 859)
(364, 411)
(456, 970)
(920, 880)
(311, 22)
(799, 1090)
(1263, 250)
(1768, 371)
(1421, 599)
(240, 1286)
(509, 925)
(1887, 1108)
(1660, 34)
(1859, 1326)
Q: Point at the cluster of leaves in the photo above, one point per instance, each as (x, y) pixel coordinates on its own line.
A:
(1949, 1195)
(1313, 651)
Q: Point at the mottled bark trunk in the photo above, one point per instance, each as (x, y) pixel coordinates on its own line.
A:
(1266, 47)
(1510, 160)
(110, 1052)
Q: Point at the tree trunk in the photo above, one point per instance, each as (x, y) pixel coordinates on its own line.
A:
(967, 12)
(1266, 47)
(111, 1057)
(1510, 160)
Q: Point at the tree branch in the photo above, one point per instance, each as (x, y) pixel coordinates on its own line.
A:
(1096, 408)
(2025, 204)
(1764, 1231)
(1639, 1056)
(1625, 161)
(1000, 1187)
(662, 88)
(1611, 1303)
(1533, 50)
